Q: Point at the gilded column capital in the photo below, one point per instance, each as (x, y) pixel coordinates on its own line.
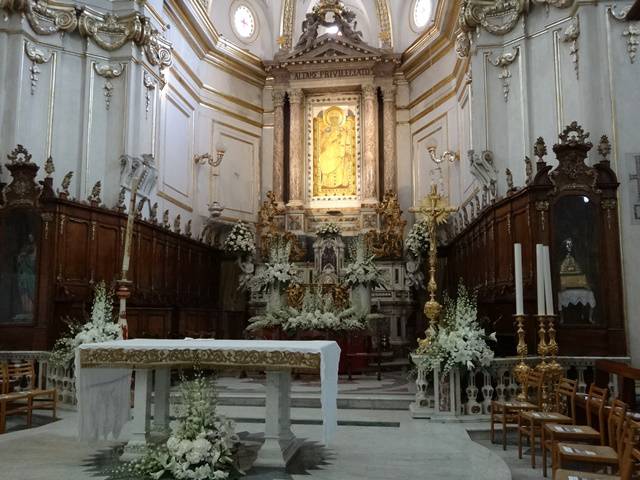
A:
(369, 91)
(278, 98)
(296, 96)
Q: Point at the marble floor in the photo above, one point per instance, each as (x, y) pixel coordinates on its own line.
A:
(370, 444)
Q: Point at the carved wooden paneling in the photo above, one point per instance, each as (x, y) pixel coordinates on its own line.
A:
(75, 260)
(107, 262)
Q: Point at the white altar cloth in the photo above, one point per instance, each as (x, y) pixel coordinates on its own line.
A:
(103, 372)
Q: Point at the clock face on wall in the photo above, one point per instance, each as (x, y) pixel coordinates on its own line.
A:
(244, 21)
(421, 12)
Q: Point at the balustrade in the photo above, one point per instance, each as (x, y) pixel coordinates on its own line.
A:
(496, 382)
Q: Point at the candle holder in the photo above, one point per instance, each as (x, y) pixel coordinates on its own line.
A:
(554, 369)
(543, 366)
(521, 370)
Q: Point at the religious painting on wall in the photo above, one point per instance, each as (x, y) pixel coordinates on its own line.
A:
(18, 269)
(334, 151)
(576, 261)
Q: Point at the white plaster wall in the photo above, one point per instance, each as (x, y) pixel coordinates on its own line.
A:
(192, 106)
(546, 95)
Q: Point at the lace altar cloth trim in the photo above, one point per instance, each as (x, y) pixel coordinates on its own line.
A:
(103, 370)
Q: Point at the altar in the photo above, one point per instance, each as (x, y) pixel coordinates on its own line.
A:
(103, 372)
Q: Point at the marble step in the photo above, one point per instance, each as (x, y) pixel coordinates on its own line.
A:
(364, 401)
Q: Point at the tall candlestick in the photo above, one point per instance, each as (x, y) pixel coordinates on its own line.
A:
(517, 260)
(126, 257)
(540, 278)
(548, 286)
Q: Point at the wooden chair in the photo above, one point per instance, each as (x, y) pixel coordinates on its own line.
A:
(596, 455)
(553, 432)
(530, 424)
(12, 403)
(40, 399)
(506, 413)
(630, 456)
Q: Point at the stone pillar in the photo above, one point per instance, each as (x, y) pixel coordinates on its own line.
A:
(141, 416)
(370, 166)
(278, 145)
(389, 115)
(296, 150)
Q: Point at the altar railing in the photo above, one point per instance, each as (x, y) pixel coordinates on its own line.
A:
(60, 378)
(496, 382)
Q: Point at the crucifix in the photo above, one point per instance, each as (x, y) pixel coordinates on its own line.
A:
(435, 211)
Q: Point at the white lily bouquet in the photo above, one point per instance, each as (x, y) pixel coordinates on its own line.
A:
(362, 270)
(101, 327)
(417, 241)
(458, 341)
(240, 241)
(279, 270)
(328, 230)
(319, 312)
(202, 444)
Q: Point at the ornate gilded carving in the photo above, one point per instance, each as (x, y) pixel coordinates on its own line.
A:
(108, 72)
(176, 224)
(384, 21)
(23, 191)
(388, 242)
(148, 358)
(37, 57)
(572, 172)
(554, 3)
(165, 220)
(570, 35)
(286, 33)
(528, 170)
(110, 32)
(503, 61)
(94, 196)
(604, 148)
(463, 44)
(187, 229)
(153, 213)
(498, 17)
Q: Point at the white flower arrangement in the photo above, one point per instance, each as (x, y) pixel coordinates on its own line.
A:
(101, 327)
(202, 444)
(318, 312)
(459, 341)
(240, 241)
(417, 241)
(362, 270)
(277, 270)
(328, 230)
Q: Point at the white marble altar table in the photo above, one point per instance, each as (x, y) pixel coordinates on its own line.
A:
(103, 372)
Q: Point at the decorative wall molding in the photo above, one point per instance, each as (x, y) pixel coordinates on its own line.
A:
(286, 28)
(384, 21)
(37, 56)
(498, 18)
(554, 3)
(503, 61)
(630, 33)
(149, 86)
(570, 35)
(109, 32)
(108, 72)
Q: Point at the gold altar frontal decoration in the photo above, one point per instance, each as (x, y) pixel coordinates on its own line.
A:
(210, 358)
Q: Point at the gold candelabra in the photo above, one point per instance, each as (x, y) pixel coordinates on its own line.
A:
(554, 370)
(435, 210)
(521, 370)
(543, 366)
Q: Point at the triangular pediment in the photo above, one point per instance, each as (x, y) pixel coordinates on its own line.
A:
(328, 48)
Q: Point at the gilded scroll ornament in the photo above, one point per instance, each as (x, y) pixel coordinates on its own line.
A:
(94, 196)
(498, 17)
(110, 32)
(108, 72)
(23, 191)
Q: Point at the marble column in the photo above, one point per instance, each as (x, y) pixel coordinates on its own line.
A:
(370, 134)
(389, 118)
(296, 150)
(278, 145)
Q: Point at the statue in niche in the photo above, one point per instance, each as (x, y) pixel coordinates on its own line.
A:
(575, 291)
(26, 278)
(334, 153)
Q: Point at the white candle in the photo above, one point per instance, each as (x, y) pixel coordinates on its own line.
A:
(540, 278)
(548, 286)
(517, 261)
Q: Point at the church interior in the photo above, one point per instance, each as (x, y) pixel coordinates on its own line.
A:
(319, 239)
